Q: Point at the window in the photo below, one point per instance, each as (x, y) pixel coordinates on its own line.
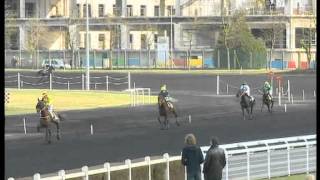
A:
(114, 10)
(78, 11)
(101, 41)
(169, 10)
(130, 38)
(129, 10)
(101, 10)
(156, 10)
(143, 10)
(155, 38)
(85, 12)
(303, 35)
(30, 10)
(143, 41)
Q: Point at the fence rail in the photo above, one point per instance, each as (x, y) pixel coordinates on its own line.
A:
(244, 160)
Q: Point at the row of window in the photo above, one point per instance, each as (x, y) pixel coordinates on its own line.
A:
(129, 10)
(143, 39)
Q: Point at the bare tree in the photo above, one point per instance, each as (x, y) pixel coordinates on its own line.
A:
(273, 34)
(35, 30)
(307, 35)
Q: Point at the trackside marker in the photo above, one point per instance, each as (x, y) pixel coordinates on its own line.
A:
(285, 107)
(24, 125)
(189, 118)
(91, 128)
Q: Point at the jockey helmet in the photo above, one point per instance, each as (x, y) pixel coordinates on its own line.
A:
(44, 93)
(266, 83)
(163, 88)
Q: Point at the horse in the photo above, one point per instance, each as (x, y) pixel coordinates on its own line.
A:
(46, 121)
(267, 101)
(165, 109)
(245, 103)
(44, 73)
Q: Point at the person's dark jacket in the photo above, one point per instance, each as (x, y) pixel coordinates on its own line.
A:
(214, 163)
(192, 158)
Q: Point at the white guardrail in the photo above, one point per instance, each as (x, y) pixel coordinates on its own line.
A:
(244, 160)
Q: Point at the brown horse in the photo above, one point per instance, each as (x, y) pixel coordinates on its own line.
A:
(166, 108)
(46, 121)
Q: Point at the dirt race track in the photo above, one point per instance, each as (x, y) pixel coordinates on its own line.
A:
(134, 132)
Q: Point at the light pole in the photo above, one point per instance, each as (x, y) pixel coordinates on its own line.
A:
(87, 49)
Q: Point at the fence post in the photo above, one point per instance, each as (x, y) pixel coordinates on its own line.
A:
(248, 163)
(288, 156)
(279, 97)
(107, 83)
(291, 98)
(107, 167)
(18, 80)
(166, 157)
(24, 125)
(269, 164)
(85, 170)
(68, 85)
(227, 89)
(128, 162)
(307, 148)
(36, 176)
(227, 164)
(314, 93)
(303, 94)
(10, 178)
(82, 82)
(234, 59)
(62, 174)
(147, 158)
(129, 81)
(217, 84)
(288, 90)
(50, 78)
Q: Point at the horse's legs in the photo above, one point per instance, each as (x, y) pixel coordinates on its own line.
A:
(176, 116)
(49, 133)
(161, 124)
(262, 105)
(247, 109)
(166, 121)
(242, 108)
(58, 130)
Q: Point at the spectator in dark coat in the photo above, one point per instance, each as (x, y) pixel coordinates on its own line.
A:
(192, 158)
(214, 162)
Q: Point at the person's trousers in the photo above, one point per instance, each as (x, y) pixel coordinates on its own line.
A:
(194, 176)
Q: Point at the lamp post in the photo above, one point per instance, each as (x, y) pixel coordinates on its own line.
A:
(87, 49)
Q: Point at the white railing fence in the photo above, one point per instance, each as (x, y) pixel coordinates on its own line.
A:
(269, 158)
(245, 160)
(105, 82)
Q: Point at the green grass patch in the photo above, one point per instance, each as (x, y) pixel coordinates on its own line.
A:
(24, 101)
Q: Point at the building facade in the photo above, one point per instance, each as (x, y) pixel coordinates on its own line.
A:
(139, 24)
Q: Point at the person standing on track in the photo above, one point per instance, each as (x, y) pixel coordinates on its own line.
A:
(192, 158)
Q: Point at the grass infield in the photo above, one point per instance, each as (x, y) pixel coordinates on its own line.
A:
(24, 101)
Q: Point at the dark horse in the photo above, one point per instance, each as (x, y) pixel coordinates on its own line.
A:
(267, 101)
(44, 73)
(245, 103)
(164, 110)
(46, 121)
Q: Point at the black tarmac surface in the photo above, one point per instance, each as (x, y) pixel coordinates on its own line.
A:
(134, 132)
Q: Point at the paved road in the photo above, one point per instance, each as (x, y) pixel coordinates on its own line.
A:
(121, 133)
